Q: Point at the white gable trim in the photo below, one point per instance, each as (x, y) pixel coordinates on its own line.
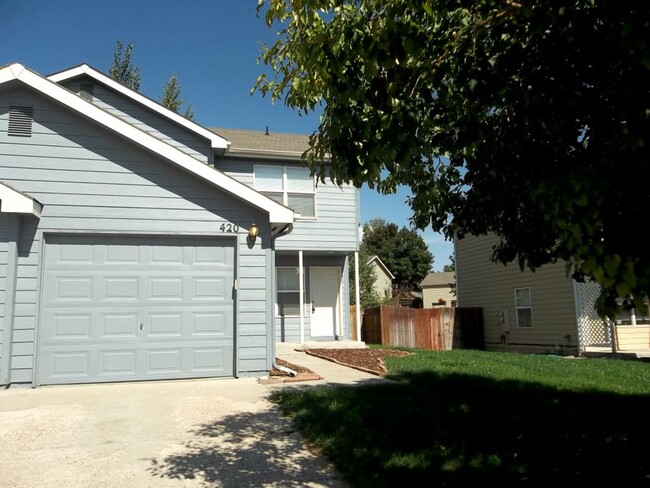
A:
(381, 264)
(278, 214)
(216, 141)
(13, 201)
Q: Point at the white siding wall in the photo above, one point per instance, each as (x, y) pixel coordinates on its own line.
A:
(91, 181)
(482, 283)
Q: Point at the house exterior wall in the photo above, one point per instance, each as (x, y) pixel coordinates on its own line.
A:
(4, 258)
(9, 232)
(383, 285)
(139, 116)
(336, 226)
(482, 283)
(432, 294)
(632, 337)
(288, 329)
(91, 181)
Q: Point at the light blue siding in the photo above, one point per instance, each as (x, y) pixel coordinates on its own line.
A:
(146, 120)
(336, 227)
(287, 329)
(93, 182)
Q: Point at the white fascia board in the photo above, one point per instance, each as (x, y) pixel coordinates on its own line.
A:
(383, 266)
(216, 141)
(13, 201)
(278, 214)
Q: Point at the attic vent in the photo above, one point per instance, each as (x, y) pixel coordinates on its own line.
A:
(20, 120)
(86, 91)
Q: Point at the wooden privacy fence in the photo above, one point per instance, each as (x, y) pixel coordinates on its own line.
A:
(438, 329)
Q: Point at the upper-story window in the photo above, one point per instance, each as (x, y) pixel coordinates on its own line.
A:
(291, 186)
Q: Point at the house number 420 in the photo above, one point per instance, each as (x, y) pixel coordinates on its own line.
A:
(229, 228)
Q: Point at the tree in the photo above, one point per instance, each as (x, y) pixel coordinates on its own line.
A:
(451, 266)
(171, 97)
(403, 251)
(529, 120)
(123, 71)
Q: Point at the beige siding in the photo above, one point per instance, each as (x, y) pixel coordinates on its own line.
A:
(633, 337)
(482, 283)
(432, 294)
(383, 284)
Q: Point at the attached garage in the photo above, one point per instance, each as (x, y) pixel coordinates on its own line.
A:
(125, 255)
(118, 308)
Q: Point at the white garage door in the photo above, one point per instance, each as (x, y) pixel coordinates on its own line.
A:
(136, 308)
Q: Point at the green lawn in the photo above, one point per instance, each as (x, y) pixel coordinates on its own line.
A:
(458, 418)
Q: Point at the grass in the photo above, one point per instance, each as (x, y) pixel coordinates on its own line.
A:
(455, 418)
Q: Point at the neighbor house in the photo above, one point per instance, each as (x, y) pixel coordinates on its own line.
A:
(438, 289)
(545, 311)
(136, 244)
(383, 284)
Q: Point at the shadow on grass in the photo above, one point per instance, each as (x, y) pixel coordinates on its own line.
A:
(259, 448)
(457, 430)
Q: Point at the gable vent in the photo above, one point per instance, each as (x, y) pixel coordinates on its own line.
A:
(20, 120)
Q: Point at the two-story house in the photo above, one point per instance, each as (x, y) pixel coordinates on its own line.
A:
(136, 244)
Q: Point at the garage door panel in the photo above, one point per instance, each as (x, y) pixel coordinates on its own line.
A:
(131, 308)
(124, 325)
(121, 288)
(117, 363)
(210, 324)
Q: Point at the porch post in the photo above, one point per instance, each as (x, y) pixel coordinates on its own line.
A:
(301, 294)
(357, 294)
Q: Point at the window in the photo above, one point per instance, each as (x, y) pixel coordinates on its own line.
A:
(291, 186)
(288, 299)
(524, 307)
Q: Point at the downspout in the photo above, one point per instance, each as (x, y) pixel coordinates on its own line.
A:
(286, 230)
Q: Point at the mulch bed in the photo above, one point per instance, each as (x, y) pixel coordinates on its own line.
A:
(368, 360)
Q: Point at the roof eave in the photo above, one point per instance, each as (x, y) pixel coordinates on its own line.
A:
(216, 141)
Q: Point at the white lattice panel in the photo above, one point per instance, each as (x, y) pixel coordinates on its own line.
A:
(592, 329)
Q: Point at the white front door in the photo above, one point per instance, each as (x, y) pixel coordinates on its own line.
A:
(325, 286)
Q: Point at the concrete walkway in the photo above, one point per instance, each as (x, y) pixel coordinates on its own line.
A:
(331, 372)
(192, 433)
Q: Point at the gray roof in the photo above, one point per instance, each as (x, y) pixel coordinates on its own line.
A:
(440, 278)
(261, 141)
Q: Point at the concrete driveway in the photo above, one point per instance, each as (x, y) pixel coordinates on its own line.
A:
(222, 433)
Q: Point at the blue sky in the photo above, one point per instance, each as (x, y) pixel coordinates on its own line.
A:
(212, 47)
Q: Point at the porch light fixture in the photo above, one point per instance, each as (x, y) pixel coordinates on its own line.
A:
(253, 230)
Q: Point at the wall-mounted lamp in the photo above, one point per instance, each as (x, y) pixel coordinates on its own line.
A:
(253, 230)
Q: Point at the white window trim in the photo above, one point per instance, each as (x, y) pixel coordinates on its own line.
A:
(278, 291)
(284, 192)
(530, 307)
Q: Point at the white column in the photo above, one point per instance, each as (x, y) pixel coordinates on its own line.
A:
(357, 294)
(301, 294)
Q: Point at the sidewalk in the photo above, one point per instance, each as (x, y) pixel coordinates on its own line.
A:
(330, 372)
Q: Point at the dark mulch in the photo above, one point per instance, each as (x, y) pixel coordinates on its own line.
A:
(368, 360)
